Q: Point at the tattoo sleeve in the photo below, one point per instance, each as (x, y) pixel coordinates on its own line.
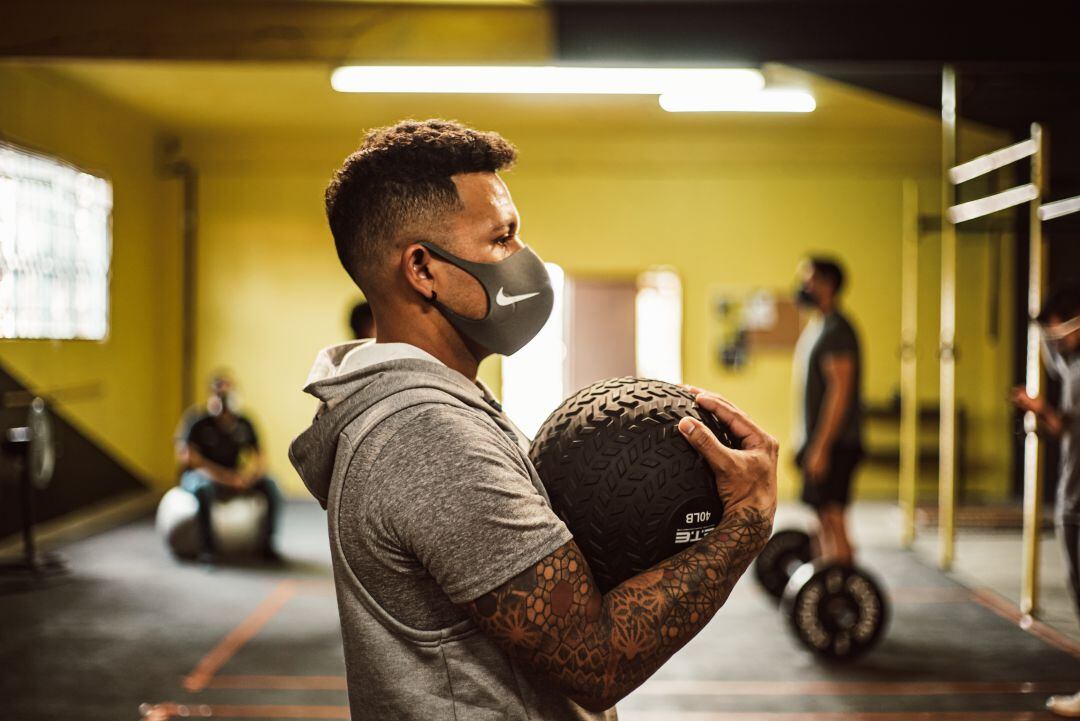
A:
(599, 648)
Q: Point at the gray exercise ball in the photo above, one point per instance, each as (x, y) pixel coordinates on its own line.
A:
(237, 523)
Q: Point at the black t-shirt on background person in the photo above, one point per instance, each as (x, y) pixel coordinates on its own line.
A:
(828, 335)
(222, 443)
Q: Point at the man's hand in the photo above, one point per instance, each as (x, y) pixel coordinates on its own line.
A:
(244, 481)
(1049, 419)
(230, 479)
(816, 463)
(743, 477)
(598, 648)
(1024, 402)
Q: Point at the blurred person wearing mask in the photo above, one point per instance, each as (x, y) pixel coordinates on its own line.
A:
(1060, 325)
(219, 451)
(828, 423)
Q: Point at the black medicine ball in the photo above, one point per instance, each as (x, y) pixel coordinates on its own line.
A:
(622, 477)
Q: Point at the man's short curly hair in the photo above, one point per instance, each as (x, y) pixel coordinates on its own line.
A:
(399, 180)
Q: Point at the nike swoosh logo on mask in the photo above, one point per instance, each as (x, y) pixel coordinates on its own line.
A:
(502, 299)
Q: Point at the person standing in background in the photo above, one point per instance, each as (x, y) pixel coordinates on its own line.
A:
(828, 424)
(1060, 324)
(361, 321)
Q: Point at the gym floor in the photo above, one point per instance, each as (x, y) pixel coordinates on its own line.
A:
(130, 634)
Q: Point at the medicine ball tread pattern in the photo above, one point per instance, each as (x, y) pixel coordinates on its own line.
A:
(617, 468)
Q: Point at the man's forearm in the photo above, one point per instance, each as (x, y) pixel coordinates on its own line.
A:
(602, 647)
(832, 413)
(656, 613)
(1051, 422)
(256, 469)
(218, 474)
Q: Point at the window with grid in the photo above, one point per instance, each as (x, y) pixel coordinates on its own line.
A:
(55, 247)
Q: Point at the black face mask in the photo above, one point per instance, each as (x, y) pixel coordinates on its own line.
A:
(519, 300)
(804, 299)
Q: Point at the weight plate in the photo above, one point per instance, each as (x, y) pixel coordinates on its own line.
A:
(838, 612)
(785, 551)
(42, 453)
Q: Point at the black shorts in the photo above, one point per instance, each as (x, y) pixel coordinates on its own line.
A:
(835, 488)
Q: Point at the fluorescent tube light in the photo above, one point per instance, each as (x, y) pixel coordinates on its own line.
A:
(760, 101)
(543, 79)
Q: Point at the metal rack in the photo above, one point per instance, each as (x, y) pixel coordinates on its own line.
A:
(957, 214)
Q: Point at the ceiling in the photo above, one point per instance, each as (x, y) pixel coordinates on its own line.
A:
(231, 63)
(213, 97)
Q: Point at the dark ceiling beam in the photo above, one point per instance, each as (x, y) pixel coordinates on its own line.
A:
(267, 30)
(797, 31)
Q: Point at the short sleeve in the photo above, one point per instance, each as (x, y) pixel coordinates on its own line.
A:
(252, 437)
(187, 421)
(193, 436)
(460, 499)
(839, 340)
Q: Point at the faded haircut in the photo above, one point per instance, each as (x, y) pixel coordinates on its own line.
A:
(400, 180)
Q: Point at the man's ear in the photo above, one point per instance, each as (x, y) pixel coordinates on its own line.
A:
(417, 267)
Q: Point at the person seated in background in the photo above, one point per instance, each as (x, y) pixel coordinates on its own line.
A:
(828, 424)
(219, 452)
(1060, 325)
(361, 321)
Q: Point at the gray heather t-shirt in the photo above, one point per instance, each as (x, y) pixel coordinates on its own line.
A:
(431, 502)
(1066, 370)
(446, 514)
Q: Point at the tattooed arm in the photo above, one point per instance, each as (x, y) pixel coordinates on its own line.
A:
(600, 647)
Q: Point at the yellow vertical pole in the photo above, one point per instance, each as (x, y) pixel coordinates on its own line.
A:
(1029, 591)
(947, 349)
(909, 402)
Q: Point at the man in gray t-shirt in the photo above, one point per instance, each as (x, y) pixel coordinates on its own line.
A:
(1060, 322)
(462, 595)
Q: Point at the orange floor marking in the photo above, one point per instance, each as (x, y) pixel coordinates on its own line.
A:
(930, 594)
(307, 683)
(212, 662)
(166, 711)
(1004, 608)
(303, 712)
(704, 687)
(849, 688)
(666, 715)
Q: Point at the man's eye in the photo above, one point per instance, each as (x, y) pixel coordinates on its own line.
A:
(505, 239)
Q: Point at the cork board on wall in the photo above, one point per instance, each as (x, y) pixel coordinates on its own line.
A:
(745, 320)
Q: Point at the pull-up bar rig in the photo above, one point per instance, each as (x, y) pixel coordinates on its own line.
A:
(1033, 147)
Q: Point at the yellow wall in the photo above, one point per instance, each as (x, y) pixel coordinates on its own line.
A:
(734, 202)
(137, 366)
(726, 200)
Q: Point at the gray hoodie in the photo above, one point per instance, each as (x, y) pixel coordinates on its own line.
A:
(431, 502)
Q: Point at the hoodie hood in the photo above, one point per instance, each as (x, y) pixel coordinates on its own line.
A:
(349, 379)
